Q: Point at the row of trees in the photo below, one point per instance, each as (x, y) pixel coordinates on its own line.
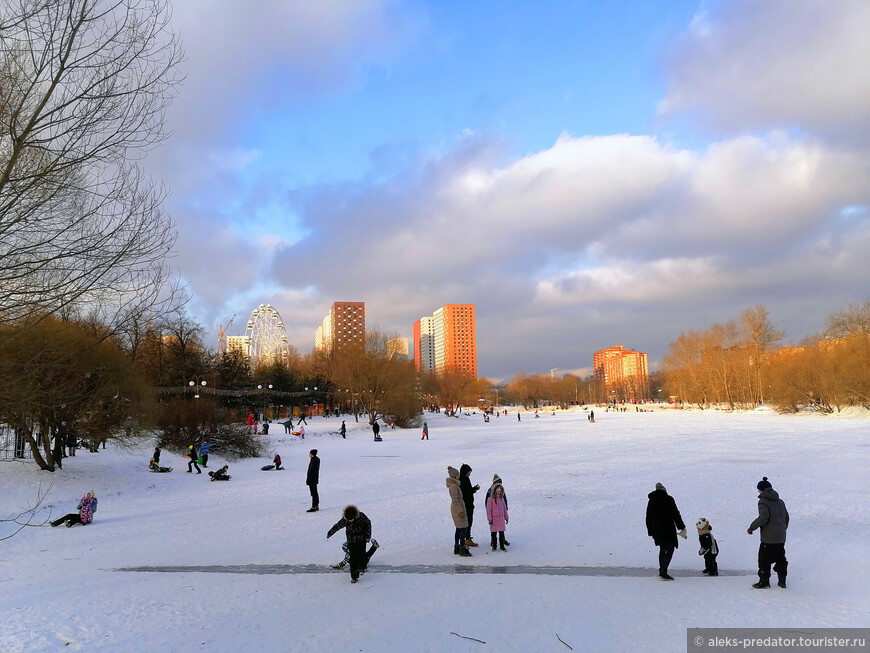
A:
(739, 364)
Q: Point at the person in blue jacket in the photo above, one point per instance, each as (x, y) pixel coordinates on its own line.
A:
(203, 453)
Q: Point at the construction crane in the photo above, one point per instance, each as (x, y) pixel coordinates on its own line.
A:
(221, 331)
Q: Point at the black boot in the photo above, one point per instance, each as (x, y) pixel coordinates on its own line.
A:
(493, 540)
(456, 549)
(501, 541)
(781, 582)
(464, 552)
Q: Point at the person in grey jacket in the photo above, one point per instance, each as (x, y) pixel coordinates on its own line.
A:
(772, 520)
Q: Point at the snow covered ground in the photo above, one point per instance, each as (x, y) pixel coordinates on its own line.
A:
(577, 494)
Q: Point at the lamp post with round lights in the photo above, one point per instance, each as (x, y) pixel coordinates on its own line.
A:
(267, 388)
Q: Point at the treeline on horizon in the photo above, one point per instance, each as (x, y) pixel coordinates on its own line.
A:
(61, 374)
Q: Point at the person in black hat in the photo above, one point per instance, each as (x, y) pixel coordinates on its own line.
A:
(663, 520)
(312, 479)
(772, 520)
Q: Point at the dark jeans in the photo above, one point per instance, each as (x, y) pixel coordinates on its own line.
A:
(666, 552)
(193, 462)
(205, 460)
(710, 565)
(315, 498)
(460, 536)
(359, 557)
(74, 518)
(771, 554)
(470, 513)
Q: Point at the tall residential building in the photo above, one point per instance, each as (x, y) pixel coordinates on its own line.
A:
(623, 371)
(424, 345)
(239, 343)
(344, 325)
(453, 336)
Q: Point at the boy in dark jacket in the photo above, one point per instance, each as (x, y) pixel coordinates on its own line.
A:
(773, 521)
(192, 453)
(663, 520)
(709, 547)
(358, 530)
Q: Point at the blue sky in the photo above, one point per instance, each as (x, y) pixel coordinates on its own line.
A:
(586, 173)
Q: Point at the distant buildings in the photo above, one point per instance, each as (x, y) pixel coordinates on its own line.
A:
(397, 349)
(447, 341)
(424, 344)
(623, 372)
(344, 325)
(265, 340)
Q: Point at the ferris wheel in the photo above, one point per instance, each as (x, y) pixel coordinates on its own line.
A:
(267, 337)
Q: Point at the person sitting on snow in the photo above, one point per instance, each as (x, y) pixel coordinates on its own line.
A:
(221, 474)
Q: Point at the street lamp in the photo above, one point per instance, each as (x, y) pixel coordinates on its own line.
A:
(195, 384)
(260, 387)
(308, 398)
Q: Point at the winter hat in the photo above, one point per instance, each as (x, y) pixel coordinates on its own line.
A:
(451, 472)
(702, 524)
(496, 479)
(763, 484)
(659, 486)
(351, 512)
(314, 452)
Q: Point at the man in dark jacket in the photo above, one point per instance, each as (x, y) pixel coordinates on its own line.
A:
(663, 520)
(468, 499)
(343, 430)
(358, 531)
(773, 521)
(312, 479)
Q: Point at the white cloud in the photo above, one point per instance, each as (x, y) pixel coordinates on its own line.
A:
(778, 63)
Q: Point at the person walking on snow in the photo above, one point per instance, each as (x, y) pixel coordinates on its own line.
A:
(302, 418)
(457, 511)
(663, 520)
(191, 452)
(312, 479)
(85, 515)
(497, 516)
(343, 430)
(773, 521)
(425, 431)
(358, 531)
(709, 547)
(468, 499)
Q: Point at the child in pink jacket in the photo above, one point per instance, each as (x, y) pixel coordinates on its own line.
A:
(497, 516)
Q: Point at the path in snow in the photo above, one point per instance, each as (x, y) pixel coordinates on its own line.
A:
(636, 572)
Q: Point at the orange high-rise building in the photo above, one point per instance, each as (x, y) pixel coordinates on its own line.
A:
(623, 371)
(447, 341)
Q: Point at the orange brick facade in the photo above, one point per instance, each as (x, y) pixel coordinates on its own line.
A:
(447, 341)
(623, 372)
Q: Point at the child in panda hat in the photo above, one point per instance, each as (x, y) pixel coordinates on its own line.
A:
(709, 547)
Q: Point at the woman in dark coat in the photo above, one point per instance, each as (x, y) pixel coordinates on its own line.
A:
(663, 520)
(468, 491)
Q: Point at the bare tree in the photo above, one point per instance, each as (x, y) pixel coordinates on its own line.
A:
(83, 89)
(854, 321)
(760, 336)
